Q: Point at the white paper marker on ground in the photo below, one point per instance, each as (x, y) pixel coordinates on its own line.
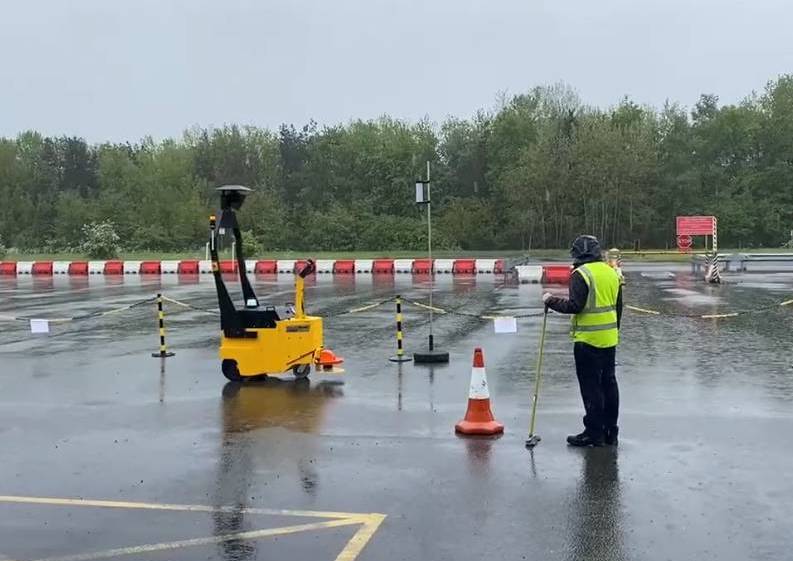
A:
(39, 326)
(506, 325)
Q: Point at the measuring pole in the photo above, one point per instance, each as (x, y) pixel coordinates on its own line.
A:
(425, 197)
(429, 248)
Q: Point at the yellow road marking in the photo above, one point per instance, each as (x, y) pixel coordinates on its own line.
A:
(643, 311)
(173, 507)
(361, 537)
(369, 525)
(165, 546)
(717, 316)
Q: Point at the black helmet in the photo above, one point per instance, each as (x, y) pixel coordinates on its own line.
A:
(585, 249)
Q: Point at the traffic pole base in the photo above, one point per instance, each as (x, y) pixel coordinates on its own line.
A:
(162, 355)
(402, 358)
(431, 357)
(532, 441)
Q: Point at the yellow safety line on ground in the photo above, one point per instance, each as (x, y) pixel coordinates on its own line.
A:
(361, 538)
(426, 307)
(643, 310)
(369, 522)
(365, 308)
(174, 507)
(166, 546)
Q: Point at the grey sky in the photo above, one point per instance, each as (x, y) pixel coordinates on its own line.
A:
(119, 70)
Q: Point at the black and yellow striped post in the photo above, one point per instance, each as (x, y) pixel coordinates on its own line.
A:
(400, 354)
(161, 319)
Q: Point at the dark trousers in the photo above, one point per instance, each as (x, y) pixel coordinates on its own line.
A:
(599, 390)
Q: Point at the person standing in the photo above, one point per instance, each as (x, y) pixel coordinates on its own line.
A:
(595, 301)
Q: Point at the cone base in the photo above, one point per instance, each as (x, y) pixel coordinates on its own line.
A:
(479, 427)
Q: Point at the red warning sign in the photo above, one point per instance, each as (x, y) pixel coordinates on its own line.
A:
(684, 242)
(696, 225)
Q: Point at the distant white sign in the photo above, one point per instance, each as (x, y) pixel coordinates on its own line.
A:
(506, 325)
(39, 326)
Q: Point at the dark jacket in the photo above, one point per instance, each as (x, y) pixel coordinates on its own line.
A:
(578, 294)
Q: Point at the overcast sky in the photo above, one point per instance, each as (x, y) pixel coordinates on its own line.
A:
(120, 70)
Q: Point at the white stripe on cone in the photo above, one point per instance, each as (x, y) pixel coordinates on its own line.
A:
(478, 389)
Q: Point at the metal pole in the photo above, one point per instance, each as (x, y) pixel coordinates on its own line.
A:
(400, 354)
(400, 350)
(161, 321)
(533, 439)
(429, 247)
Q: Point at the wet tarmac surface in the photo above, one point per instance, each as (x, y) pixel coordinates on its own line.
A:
(703, 470)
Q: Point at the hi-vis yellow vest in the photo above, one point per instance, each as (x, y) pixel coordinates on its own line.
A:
(596, 325)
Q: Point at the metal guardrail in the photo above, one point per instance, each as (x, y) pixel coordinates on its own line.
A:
(738, 261)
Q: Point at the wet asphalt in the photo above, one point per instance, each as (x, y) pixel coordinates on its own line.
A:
(703, 470)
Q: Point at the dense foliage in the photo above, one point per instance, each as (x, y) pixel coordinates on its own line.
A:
(100, 240)
(540, 169)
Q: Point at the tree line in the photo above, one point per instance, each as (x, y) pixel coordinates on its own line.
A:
(534, 172)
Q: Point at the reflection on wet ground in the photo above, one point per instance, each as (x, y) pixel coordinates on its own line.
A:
(700, 472)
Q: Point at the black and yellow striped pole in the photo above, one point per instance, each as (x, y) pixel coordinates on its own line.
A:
(161, 319)
(400, 354)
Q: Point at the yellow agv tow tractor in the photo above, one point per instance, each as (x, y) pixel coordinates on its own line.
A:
(256, 341)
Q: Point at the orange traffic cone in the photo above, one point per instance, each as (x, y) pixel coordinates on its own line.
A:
(328, 360)
(479, 418)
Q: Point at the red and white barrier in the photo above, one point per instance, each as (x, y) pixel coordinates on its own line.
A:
(486, 265)
(325, 266)
(169, 267)
(422, 266)
(205, 267)
(266, 267)
(78, 268)
(150, 268)
(131, 267)
(60, 267)
(530, 274)
(24, 267)
(344, 267)
(286, 266)
(444, 265)
(43, 268)
(556, 274)
(269, 267)
(383, 266)
(363, 266)
(189, 267)
(403, 266)
(114, 268)
(464, 267)
(96, 267)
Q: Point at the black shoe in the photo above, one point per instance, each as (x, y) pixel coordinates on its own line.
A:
(610, 436)
(584, 439)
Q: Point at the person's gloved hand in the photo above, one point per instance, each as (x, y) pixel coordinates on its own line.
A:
(545, 297)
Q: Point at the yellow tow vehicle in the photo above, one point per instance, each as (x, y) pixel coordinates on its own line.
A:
(256, 341)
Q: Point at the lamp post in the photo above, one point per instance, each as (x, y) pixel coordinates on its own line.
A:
(423, 197)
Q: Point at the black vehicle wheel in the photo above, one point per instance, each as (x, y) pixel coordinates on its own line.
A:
(230, 370)
(301, 371)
